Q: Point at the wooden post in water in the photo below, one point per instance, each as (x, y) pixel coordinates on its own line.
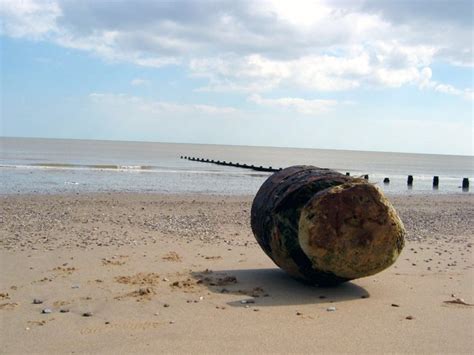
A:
(366, 177)
(435, 182)
(386, 180)
(348, 174)
(465, 184)
(410, 180)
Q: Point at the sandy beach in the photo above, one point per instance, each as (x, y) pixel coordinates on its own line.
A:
(149, 273)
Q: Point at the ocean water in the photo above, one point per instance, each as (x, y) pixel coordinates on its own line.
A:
(31, 165)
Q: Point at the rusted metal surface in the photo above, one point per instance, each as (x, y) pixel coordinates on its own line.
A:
(276, 223)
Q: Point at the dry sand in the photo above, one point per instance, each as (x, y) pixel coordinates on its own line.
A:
(131, 273)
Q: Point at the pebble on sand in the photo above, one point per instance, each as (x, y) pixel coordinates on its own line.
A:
(37, 301)
(331, 309)
(46, 311)
(247, 301)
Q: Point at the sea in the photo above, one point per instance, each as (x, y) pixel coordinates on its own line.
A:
(52, 166)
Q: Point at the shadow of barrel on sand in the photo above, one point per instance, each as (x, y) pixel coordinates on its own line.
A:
(273, 287)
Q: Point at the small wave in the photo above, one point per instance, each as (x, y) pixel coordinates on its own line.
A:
(81, 166)
(53, 165)
(135, 167)
(131, 169)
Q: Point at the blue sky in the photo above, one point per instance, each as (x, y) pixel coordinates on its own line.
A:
(362, 75)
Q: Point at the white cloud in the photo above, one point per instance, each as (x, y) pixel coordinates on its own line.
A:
(256, 73)
(303, 106)
(319, 73)
(140, 82)
(259, 46)
(467, 94)
(28, 18)
(156, 106)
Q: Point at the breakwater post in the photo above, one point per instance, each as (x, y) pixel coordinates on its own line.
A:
(386, 180)
(465, 184)
(235, 165)
(410, 180)
(435, 182)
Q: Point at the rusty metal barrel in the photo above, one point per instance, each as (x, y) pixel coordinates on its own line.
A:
(325, 228)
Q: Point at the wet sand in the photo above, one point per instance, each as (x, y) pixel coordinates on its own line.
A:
(183, 273)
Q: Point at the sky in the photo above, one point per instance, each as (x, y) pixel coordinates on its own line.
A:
(372, 75)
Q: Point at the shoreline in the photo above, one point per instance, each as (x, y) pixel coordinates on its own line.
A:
(183, 273)
(390, 194)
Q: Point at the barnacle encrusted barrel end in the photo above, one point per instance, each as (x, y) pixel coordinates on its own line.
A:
(324, 227)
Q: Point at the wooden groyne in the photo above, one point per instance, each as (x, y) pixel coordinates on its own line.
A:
(410, 179)
(235, 165)
(386, 181)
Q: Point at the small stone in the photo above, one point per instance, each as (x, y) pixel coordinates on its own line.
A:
(64, 310)
(107, 322)
(299, 313)
(331, 309)
(46, 311)
(37, 301)
(75, 286)
(87, 314)
(256, 310)
(409, 317)
(166, 305)
(247, 301)
(395, 305)
(171, 321)
(322, 297)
